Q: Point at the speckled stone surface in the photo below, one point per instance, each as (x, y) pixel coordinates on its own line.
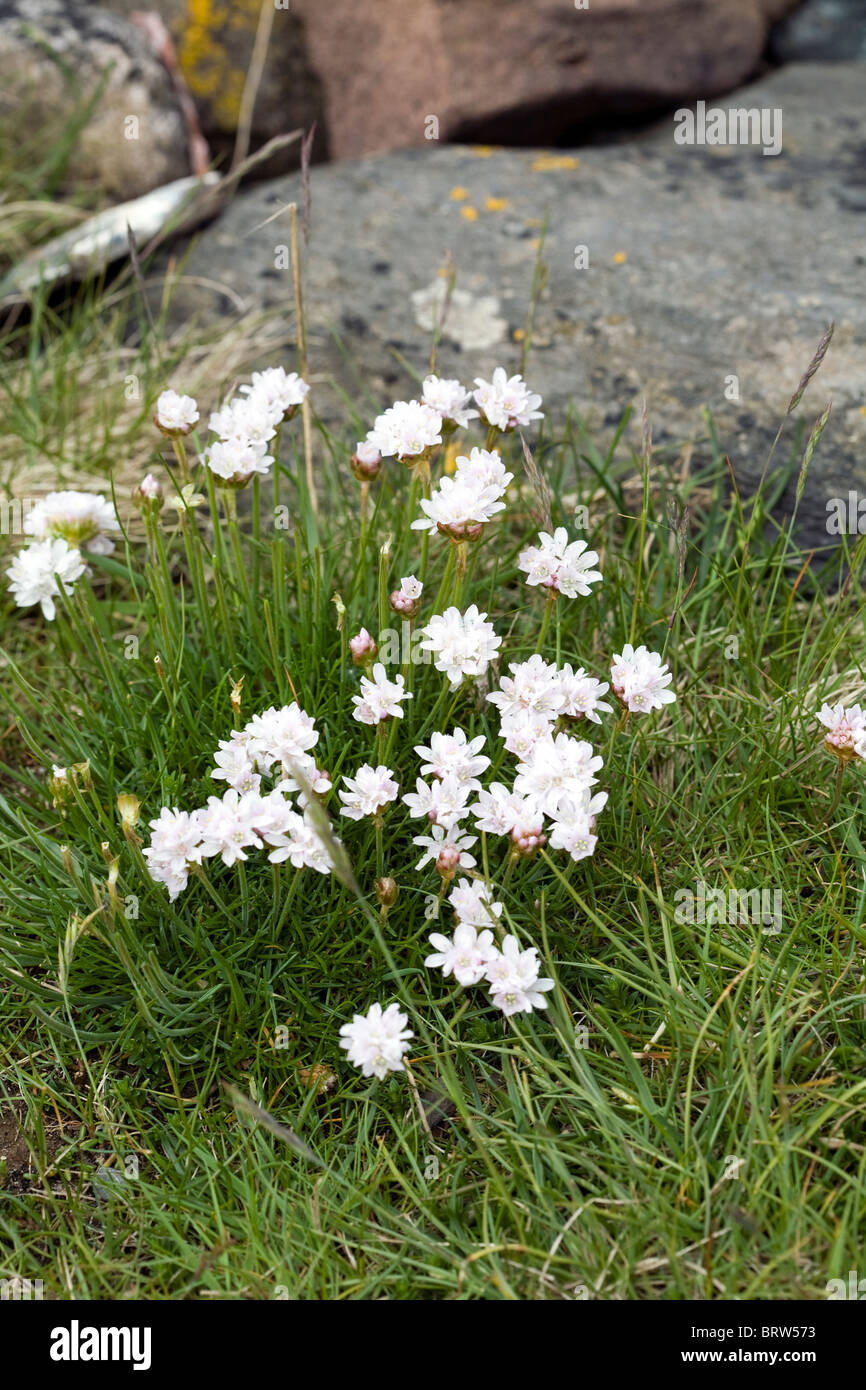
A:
(704, 263)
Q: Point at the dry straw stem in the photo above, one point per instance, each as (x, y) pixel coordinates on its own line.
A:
(253, 81)
(306, 419)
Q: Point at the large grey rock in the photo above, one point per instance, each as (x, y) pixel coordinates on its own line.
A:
(55, 55)
(214, 44)
(822, 31)
(705, 263)
(374, 74)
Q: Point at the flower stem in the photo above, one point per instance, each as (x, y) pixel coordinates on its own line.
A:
(545, 623)
(840, 773)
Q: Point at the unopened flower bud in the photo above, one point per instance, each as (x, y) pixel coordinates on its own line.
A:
(527, 840)
(129, 809)
(448, 861)
(366, 462)
(363, 648)
(148, 495)
(406, 607)
(235, 696)
(387, 893)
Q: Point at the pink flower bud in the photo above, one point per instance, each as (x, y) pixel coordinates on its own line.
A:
(363, 648)
(448, 861)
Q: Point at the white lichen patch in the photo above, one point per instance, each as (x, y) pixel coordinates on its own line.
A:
(471, 321)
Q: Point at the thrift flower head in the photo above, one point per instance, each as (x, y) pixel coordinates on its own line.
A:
(464, 503)
(574, 828)
(521, 732)
(448, 849)
(442, 802)
(235, 764)
(561, 566)
(499, 811)
(581, 695)
(406, 430)
(245, 421)
(368, 792)
(176, 842)
(449, 399)
(483, 468)
(532, 688)
(175, 414)
(514, 982)
(149, 490)
(37, 574)
(366, 461)
(79, 518)
(506, 401)
(453, 755)
(380, 697)
(463, 644)
(846, 730)
(281, 735)
(234, 823)
(363, 648)
(278, 391)
(407, 599)
(557, 769)
(235, 460)
(377, 1041)
(639, 680)
(466, 956)
(472, 903)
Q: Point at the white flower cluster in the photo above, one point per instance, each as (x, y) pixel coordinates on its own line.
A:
(559, 565)
(449, 399)
(554, 779)
(507, 401)
(268, 767)
(639, 679)
(462, 644)
(368, 792)
(464, 502)
(276, 744)
(246, 424)
(406, 430)
(175, 414)
(63, 524)
(471, 955)
(377, 1041)
(380, 698)
(846, 730)
(410, 430)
